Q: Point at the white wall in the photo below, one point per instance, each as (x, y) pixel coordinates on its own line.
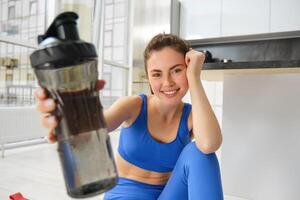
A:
(261, 129)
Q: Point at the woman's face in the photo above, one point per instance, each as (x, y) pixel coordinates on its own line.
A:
(167, 75)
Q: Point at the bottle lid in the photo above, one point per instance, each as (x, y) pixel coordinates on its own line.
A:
(61, 45)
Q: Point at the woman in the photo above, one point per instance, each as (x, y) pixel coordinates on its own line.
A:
(156, 159)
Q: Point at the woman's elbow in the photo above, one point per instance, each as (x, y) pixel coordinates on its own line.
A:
(209, 147)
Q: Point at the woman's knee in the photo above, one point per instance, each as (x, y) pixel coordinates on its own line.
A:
(192, 156)
(201, 173)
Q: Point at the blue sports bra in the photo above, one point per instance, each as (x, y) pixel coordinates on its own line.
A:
(137, 146)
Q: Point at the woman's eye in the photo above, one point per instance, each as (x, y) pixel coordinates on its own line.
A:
(177, 70)
(156, 75)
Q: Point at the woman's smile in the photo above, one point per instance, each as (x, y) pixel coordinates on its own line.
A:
(171, 93)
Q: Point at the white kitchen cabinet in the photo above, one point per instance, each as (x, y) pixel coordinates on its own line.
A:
(245, 17)
(285, 15)
(200, 19)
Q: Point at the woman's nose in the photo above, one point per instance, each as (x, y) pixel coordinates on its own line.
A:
(169, 81)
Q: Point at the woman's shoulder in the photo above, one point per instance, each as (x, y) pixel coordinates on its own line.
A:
(132, 105)
(123, 110)
(128, 103)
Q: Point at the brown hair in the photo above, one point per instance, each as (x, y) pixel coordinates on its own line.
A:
(163, 40)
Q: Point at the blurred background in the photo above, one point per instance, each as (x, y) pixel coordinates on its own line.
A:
(251, 81)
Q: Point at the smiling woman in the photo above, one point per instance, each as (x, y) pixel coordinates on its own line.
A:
(166, 71)
(154, 148)
(156, 158)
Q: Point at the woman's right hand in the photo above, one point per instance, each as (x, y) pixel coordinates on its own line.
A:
(46, 105)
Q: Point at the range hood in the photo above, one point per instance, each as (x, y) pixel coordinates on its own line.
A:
(261, 53)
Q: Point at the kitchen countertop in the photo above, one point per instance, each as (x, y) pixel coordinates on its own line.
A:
(252, 65)
(255, 54)
(217, 71)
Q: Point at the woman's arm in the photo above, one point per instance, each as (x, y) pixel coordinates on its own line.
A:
(206, 129)
(125, 109)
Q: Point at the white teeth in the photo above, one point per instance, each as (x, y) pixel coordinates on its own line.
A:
(170, 92)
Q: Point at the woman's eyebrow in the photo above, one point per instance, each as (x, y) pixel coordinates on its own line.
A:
(155, 70)
(174, 66)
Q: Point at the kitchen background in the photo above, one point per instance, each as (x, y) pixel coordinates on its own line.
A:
(253, 91)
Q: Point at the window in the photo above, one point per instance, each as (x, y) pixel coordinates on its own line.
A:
(11, 12)
(12, 30)
(21, 21)
(32, 8)
(115, 50)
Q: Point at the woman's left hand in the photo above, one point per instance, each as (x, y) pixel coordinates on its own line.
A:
(194, 61)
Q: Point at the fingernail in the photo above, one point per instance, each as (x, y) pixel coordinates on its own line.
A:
(38, 92)
(49, 103)
(51, 138)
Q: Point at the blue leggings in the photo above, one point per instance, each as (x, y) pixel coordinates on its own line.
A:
(196, 176)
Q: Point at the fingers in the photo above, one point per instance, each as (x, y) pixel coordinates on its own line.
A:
(187, 60)
(100, 84)
(193, 55)
(49, 122)
(187, 57)
(40, 94)
(45, 105)
(52, 137)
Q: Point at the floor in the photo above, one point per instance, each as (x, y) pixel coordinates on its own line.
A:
(35, 172)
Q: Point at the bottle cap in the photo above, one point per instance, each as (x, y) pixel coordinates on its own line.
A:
(61, 45)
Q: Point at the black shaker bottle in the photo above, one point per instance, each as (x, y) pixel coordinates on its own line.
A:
(66, 67)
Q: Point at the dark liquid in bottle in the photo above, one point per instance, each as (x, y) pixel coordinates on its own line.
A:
(82, 111)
